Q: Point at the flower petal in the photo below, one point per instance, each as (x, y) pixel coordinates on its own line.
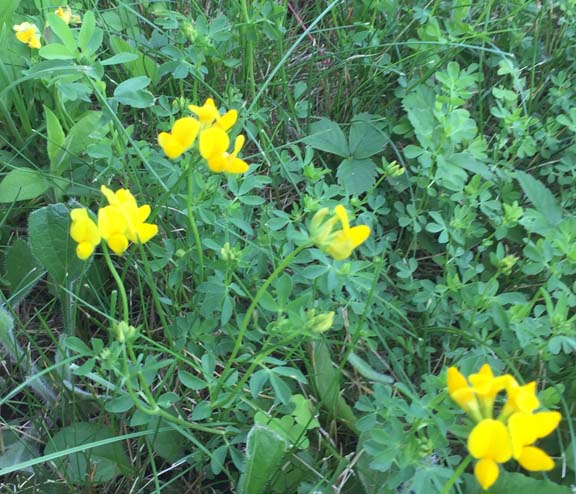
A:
(145, 232)
(490, 439)
(546, 422)
(185, 131)
(358, 235)
(171, 146)
(213, 142)
(235, 165)
(206, 113)
(535, 460)
(486, 472)
(340, 212)
(118, 243)
(227, 120)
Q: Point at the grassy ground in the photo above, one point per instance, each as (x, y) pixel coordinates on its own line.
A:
(251, 342)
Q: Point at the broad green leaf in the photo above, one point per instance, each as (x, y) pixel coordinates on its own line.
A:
(142, 66)
(132, 92)
(365, 138)
(120, 58)
(56, 136)
(49, 232)
(87, 30)
(22, 184)
(327, 136)
(541, 198)
(327, 382)
(56, 51)
(7, 8)
(120, 404)
(265, 451)
(168, 444)
(460, 9)
(102, 463)
(63, 31)
(419, 106)
(191, 381)
(16, 449)
(357, 176)
(83, 133)
(23, 270)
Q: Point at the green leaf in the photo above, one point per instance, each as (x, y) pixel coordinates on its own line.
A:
(16, 449)
(49, 232)
(327, 136)
(168, 444)
(56, 136)
(87, 30)
(265, 452)
(327, 382)
(357, 176)
(120, 404)
(23, 270)
(7, 8)
(365, 138)
(419, 106)
(102, 463)
(142, 66)
(56, 51)
(63, 31)
(191, 381)
(541, 198)
(83, 133)
(120, 58)
(132, 93)
(22, 184)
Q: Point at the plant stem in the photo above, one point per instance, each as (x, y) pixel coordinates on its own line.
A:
(193, 225)
(240, 338)
(452, 480)
(118, 280)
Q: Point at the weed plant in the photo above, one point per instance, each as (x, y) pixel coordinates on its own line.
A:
(287, 247)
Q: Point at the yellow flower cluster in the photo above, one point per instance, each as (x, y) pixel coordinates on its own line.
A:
(338, 244)
(213, 141)
(29, 34)
(513, 433)
(119, 223)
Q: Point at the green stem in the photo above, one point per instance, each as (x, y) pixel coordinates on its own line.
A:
(249, 49)
(452, 480)
(154, 409)
(193, 225)
(118, 280)
(240, 338)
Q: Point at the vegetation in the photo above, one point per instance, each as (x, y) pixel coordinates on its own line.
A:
(288, 247)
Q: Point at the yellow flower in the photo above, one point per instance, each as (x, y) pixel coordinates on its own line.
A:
(183, 135)
(525, 429)
(520, 398)
(208, 114)
(337, 244)
(65, 13)
(84, 231)
(28, 34)
(122, 221)
(213, 145)
(486, 386)
(490, 443)
(462, 393)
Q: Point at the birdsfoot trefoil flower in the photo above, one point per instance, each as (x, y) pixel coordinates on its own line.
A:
(28, 34)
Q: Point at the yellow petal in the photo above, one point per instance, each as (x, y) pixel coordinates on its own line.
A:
(35, 42)
(217, 163)
(535, 460)
(118, 243)
(213, 142)
(486, 472)
(455, 380)
(185, 131)
(143, 213)
(238, 143)
(206, 113)
(340, 212)
(235, 165)
(111, 222)
(490, 439)
(145, 232)
(171, 146)
(545, 422)
(227, 120)
(358, 235)
(84, 250)
(108, 194)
